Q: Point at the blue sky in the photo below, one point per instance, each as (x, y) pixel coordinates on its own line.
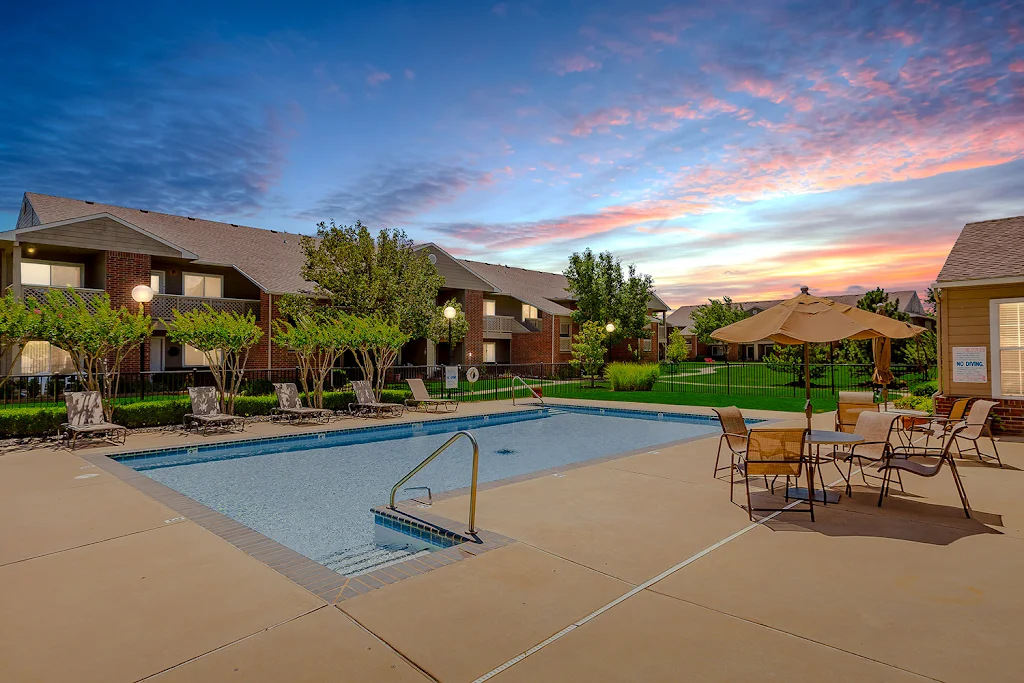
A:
(740, 148)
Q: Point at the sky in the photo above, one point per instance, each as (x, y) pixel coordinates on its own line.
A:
(729, 148)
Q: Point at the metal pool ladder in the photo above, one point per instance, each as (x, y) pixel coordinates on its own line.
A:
(439, 451)
(523, 382)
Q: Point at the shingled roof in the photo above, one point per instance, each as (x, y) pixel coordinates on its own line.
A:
(270, 258)
(986, 250)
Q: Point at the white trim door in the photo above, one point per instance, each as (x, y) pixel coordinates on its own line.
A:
(156, 354)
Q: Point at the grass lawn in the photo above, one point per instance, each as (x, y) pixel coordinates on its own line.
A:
(679, 398)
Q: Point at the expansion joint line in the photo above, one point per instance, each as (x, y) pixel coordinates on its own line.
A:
(643, 586)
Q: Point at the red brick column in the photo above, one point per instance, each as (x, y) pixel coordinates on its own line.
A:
(279, 357)
(473, 345)
(535, 347)
(125, 271)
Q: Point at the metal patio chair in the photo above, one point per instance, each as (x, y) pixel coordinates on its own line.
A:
(876, 429)
(775, 453)
(976, 426)
(899, 460)
(734, 435)
(849, 407)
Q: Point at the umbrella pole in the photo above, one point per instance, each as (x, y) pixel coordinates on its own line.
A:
(808, 408)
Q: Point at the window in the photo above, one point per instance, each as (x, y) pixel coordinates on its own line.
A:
(489, 307)
(717, 351)
(158, 281)
(41, 358)
(51, 274)
(206, 286)
(530, 312)
(647, 345)
(564, 335)
(1008, 347)
(194, 357)
(490, 352)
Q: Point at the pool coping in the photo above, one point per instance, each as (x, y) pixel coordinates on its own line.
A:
(326, 583)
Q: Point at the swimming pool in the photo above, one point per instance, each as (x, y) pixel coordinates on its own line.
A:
(313, 492)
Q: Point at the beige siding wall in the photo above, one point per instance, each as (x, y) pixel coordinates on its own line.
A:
(101, 234)
(964, 320)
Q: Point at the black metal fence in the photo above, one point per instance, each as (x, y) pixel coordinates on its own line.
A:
(497, 381)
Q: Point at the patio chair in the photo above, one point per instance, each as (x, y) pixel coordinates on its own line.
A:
(850, 405)
(206, 412)
(289, 406)
(734, 435)
(940, 427)
(899, 460)
(876, 429)
(775, 453)
(366, 403)
(977, 426)
(85, 417)
(421, 398)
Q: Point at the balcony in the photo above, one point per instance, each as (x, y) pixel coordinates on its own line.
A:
(39, 292)
(164, 305)
(501, 327)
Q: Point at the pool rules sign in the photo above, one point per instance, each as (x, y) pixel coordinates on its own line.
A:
(969, 364)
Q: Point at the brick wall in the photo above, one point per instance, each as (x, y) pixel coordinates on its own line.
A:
(124, 271)
(279, 357)
(535, 347)
(473, 308)
(621, 352)
(1010, 413)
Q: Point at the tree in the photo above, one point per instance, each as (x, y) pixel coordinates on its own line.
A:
(678, 349)
(224, 338)
(604, 294)
(19, 323)
(318, 338)
(877, 301)
(789, 358)
(437, 330)
(385, 277)
(377, 342)
(713, 315)
(588, 348)
(96, 335)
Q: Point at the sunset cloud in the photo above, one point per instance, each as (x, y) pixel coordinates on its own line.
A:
(575, 64)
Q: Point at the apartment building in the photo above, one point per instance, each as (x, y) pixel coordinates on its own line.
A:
(516, 315)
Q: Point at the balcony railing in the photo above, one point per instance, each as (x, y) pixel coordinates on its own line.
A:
(164, 305)
(503, 324)
(534, 324)
(39, 292)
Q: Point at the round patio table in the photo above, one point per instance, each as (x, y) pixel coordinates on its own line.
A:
(822, 437)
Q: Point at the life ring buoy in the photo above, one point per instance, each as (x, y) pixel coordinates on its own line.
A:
(472, 375)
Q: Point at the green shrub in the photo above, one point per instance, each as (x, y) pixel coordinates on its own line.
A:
(21, 422)
(925, 388)
(632, 376)
(915, 403)
(258, 387)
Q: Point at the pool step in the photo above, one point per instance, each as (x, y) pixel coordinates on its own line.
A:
(368, 557)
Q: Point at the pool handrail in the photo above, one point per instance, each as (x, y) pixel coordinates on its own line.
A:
(472, 487)
(523, 382)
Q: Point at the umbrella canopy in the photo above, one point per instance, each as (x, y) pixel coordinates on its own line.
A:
(807, 319)
(881, 349)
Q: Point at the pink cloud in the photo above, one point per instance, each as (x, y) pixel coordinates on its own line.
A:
(410, 74)
(601, 120)
(663, 37)
(1017, 67)
(905, 37)
(377, 77)
(575, 64)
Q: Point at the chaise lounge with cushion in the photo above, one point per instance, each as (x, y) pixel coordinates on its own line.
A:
(367, 404)
(206, 413)
(289, 406)
(85, 417)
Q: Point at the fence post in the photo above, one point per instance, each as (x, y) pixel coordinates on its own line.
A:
(728, 378)
(832, 372)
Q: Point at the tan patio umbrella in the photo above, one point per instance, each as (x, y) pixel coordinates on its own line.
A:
(881, 351)
(807, 319)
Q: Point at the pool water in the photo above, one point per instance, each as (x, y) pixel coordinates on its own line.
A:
(314, 493)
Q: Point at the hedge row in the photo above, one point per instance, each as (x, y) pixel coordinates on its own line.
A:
(22, 422)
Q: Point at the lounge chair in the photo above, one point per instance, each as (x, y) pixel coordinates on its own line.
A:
(421, 398)
(289, 406)
(206, 412)
(734, 435)
(850, 405)
(85, 417)
(876, 429)
(899, 460)
(775, 453)
(367, 404)
(976, 426)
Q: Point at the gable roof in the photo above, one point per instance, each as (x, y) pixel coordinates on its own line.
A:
(986, 250)
(271, 259)
(546, 291)
(909, 303)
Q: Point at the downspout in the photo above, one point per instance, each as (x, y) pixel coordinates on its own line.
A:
(940, 352)
(554, 322)
(270, 333)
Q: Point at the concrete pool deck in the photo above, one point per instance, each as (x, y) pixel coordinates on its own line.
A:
(100, 582)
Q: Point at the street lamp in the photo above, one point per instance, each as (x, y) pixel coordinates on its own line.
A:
(142, 294)
(609, 328)
(450, 313)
